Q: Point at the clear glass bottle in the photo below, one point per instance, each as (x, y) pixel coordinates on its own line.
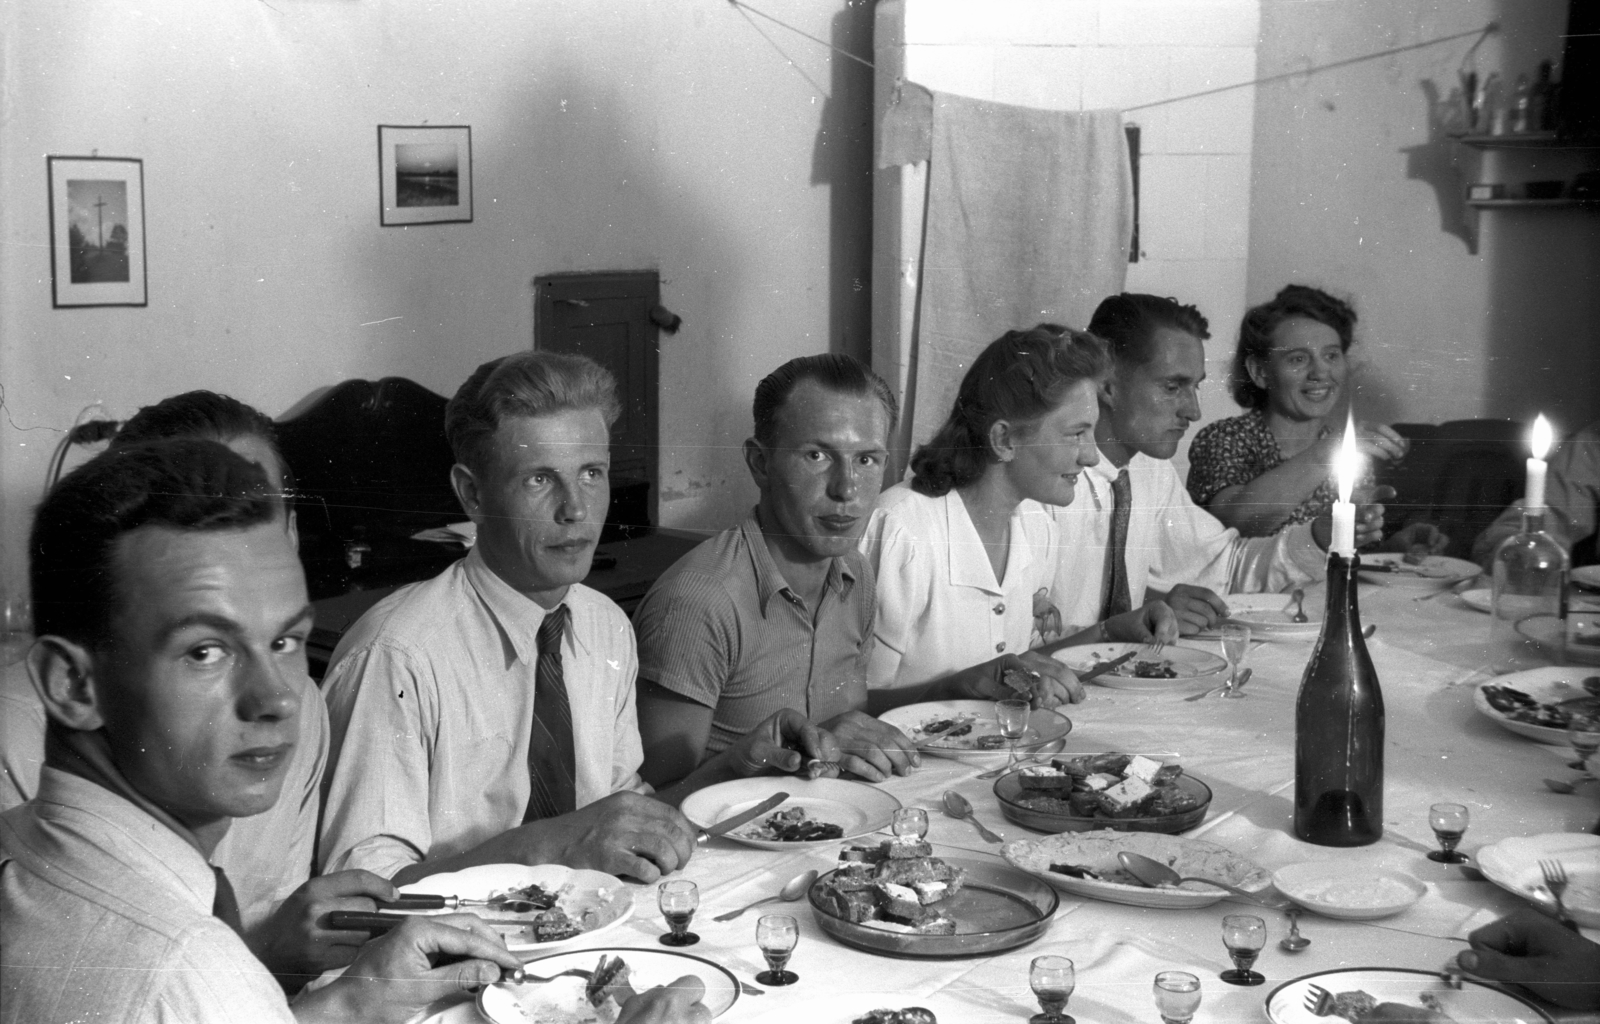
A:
(1530, 589)
(1520, 106)
(1339, 726)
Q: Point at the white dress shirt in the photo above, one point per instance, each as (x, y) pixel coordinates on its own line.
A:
(940, 608)
(430, 695)
(1171, 540)
(105, 915)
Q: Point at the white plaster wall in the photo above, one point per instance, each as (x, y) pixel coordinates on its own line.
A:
(1086, 55)
(607, 134)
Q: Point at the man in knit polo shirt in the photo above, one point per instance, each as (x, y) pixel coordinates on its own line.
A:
(777, 612)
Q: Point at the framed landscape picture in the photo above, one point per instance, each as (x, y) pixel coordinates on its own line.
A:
(424, 174)
(96, 231)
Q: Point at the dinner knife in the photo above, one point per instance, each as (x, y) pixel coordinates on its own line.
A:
(727, 825)
(1106, 666)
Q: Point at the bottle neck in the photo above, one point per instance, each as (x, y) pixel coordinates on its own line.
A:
(1533, 519)
(1343, 613)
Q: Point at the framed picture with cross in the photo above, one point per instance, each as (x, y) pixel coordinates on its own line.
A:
(96, 231)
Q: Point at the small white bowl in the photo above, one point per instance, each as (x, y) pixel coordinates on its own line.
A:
(1352, 892)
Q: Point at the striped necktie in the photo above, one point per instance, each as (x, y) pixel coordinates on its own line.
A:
(552, 765)
(1117, 598)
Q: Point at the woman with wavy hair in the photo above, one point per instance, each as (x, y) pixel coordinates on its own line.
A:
(966, 553)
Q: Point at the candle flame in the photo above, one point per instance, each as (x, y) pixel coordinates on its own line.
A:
(1348, 463)
(1543, 437)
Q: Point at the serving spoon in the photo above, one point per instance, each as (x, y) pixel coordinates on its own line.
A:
(796, 888)
(956, 806)
(1557, 786)
(1294, 942)
(1155, 875)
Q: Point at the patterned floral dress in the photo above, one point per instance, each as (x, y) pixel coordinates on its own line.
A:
(1233, 452)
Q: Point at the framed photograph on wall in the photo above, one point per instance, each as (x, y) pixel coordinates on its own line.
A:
(96, 231)
(424, 174)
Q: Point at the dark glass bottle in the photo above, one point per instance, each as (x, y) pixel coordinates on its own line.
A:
(1338, 727)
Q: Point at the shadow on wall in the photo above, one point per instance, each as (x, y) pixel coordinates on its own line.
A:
(842, 160)
(1434, 162)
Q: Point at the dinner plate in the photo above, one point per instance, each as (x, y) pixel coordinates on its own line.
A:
(1472, 1002)
(1351, 892)
(1481, 598)
(1576, 642)
(1015, 806)
(1587, 576)
(857, 808)
(1044, 727)
(1545, 685)
(1098, 851)
(1189, 662)
(1513, 865)
(593, 896)
(562, 1001)
(1271, 616)
(1433, 573)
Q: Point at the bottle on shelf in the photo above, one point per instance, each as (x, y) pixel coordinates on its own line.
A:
(1530, 587)
(1520, 106)
(1339, 726)
(1542, 115)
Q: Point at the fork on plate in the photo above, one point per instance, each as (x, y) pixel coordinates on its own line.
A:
(1319, 1001)
(1555, 879)
(534, 979)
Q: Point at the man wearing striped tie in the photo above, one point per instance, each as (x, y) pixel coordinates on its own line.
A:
(487, 715)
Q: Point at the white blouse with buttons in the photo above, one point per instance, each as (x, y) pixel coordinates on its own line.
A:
(940, 608)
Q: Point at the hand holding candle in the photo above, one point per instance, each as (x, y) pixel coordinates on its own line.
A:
(1348, 467)
(1533, 499)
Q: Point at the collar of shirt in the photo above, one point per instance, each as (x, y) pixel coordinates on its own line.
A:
(770, 581)
(517, 616)
(968, 558)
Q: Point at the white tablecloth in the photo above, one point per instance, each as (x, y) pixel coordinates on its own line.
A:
(1439, 748)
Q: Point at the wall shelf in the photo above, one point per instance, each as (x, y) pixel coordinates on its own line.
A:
(1522, 140)
(1532, 204)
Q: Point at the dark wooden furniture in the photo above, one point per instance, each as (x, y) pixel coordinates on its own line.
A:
(1459, 475)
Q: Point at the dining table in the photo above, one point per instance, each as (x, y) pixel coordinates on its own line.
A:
(1429, 656)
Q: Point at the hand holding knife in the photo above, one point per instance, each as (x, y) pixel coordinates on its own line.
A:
(727, 825)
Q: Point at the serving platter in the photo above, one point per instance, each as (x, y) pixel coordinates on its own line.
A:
(1189, 663)
(598, 902)
(1473, 1002)
(857, 808)
(1513, 865)
(1577, 641)
(1271, 616)
(1550, 685)
(1044, 727)
(998, 908)
(1008, 790)
(1098, 851)
(1351, 892)
(563, 1000)
(1433, 573)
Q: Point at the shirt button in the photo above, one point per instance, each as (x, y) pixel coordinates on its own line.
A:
(1000, 648)
(1000, 609)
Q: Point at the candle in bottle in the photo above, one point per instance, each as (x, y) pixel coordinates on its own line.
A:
(1348, 467)
(1533, 499)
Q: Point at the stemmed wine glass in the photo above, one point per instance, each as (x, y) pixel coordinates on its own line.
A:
(1235, 645)
(1052, 979)
(678, 900)
(776, 934)
(1449, 823)
(1244, 935)
(1177, 996)
(1583, 732)
(909, 822)
(1012, 715)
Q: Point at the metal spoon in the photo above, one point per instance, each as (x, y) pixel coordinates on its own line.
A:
(1156, 875)
(1294, 942)
(1299, 606)
(1557, 786)
(956, 806)
(1238, 684)
(795, 889)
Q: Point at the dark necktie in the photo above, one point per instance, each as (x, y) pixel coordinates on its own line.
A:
(552, 765)
(225, 905)
(1117, 599)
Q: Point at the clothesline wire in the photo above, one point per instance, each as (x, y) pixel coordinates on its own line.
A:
(1481, 33)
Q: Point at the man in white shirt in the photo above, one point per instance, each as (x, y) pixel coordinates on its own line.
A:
(1170, 547)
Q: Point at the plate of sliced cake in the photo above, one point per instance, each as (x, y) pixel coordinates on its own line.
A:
(1082, 792)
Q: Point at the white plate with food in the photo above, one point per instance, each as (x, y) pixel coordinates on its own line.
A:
(1352, 994)
(1099, 875)
(1352, 892)
(1174, 668)
(1576, 641)
(1538, 703)
(853, 808)
(1271, 616)
(1435, 572)
(966, 730)
(1478, 598)
(590, 902)
(1513, 865)
(569, 1000)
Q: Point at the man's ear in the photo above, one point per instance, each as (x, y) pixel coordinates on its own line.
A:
(63, 673)
(1257, 372)
(1106, 393)
(1002, 441)
(292, 527)
(756, 459)
(466, 487)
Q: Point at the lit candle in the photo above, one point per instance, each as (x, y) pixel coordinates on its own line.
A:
(1348, 466)
(1533, 500)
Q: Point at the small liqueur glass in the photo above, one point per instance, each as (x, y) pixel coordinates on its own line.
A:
(678, 900)
(909, 822)
(1235, 645)
(776, 934)
(1583, 732)
(1177, 996)
(1449, 823)
(1052, 979)
(1244, 935)
(1012, 717)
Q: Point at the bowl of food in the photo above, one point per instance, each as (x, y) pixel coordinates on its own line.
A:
(1351, 892)
(1121, 792)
